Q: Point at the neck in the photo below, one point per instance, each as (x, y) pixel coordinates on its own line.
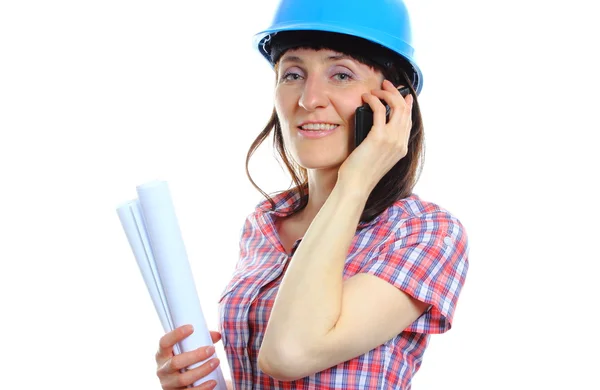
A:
(320, 185)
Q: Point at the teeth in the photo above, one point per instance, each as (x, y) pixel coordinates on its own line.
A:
(319, 126)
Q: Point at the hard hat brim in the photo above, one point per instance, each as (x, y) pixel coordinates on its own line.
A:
(393, 43)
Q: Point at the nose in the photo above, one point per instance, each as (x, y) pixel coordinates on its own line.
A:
(314, 94)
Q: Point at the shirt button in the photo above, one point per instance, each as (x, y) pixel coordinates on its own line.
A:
(447, 241)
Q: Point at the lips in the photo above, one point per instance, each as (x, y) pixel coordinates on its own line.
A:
(315, 131)
(321, 126)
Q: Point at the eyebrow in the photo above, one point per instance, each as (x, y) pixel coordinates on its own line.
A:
(335, 57)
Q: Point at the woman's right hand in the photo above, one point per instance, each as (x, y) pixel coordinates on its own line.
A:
(169, 366)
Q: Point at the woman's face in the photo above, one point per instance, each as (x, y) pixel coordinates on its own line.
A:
(316, 96)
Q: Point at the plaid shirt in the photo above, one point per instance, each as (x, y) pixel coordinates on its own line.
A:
(414, 245)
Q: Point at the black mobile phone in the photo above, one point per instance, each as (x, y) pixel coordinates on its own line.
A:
(363, 118)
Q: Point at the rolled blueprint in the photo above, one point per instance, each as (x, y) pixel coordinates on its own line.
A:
(130, 214)
(153, 232)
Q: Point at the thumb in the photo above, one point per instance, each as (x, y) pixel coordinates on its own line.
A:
(215, 336)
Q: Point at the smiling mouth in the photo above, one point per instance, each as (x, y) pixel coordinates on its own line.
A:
(318, 127)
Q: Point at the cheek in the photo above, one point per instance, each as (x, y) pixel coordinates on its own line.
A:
(347, 106)
(282, 107)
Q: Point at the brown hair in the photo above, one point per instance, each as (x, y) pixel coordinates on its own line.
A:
(396, 184)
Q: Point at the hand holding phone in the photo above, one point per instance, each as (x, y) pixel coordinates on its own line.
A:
(363, 118)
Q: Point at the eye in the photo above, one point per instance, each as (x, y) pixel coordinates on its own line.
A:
(290, 76)
(293, 73)
(342, 76)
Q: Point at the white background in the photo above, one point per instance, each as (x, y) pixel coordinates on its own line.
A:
(98, 97)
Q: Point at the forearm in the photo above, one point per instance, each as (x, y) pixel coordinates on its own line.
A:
(309, 300)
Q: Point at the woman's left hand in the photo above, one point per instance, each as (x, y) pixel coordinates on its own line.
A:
(385, 144)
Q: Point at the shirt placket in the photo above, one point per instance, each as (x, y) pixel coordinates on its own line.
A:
(266, 277)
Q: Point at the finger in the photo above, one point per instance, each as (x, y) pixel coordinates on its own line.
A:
(166, 343)
(407, 113)
(392, 96)
(378, 109)
(215, 336)
(406, 128)
(190, 376)
(206, 385)
(186, 359)
(401, 108)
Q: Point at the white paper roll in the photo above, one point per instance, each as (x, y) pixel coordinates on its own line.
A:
(152, 229)
(131, 218)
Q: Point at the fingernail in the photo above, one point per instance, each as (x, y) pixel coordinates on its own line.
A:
(210, 350)
(214, 363)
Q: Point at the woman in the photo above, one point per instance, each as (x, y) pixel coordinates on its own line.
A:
(342, 279)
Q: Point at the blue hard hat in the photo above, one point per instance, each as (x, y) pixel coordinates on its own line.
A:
(384, 22)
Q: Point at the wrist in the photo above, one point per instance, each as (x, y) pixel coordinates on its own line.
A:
(354, 191)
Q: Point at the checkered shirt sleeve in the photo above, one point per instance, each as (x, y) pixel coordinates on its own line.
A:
(426, 258)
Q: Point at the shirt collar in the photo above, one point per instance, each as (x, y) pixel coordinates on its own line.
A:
(289, 200)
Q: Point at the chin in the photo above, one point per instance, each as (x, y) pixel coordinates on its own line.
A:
(326, 153)
(320, 160)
